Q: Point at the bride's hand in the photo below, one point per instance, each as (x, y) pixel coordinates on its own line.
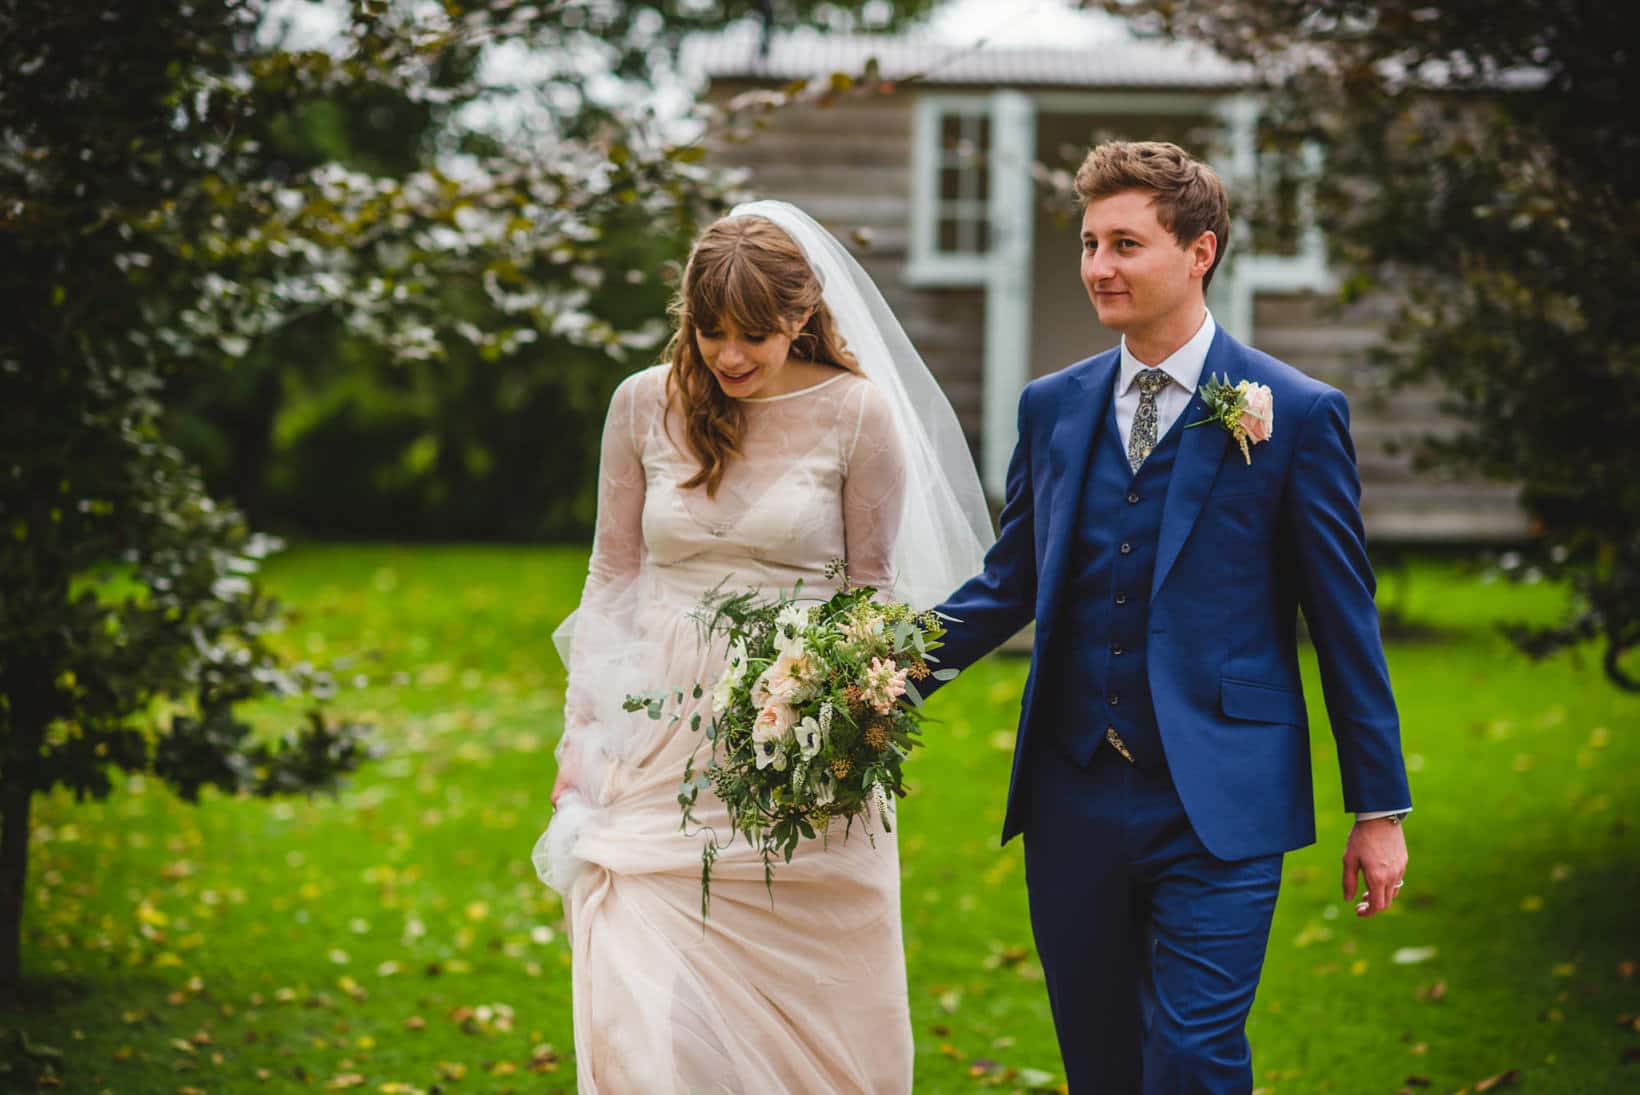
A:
(569, 767)
(559, 786)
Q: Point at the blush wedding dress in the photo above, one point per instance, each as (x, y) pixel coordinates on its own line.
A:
(802, 990)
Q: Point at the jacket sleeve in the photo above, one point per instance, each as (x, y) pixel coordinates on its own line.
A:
(1336, 587)
(990, 607)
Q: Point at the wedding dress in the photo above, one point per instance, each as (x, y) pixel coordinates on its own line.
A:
(803, 990)
(802, 993)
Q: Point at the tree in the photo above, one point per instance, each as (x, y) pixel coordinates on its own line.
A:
(151, 237)
(318, 430)
(1481, 165)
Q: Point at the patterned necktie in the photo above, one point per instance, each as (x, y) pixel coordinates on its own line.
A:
(1142, 438)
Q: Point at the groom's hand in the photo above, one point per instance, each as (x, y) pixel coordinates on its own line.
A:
(1376, 849)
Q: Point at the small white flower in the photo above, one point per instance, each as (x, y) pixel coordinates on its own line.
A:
(827, 712)
(771, 755)
(733, 673)
(823, 789)
(737, 660)
(722, 693)
(788, 630)
(880, 798)
(809, 737)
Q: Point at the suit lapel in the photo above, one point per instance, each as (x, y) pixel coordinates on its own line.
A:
(1069, 451)
(1201, 450)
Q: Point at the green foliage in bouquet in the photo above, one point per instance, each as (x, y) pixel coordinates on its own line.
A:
(813, 716)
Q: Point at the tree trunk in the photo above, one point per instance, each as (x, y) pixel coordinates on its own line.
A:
(30, 704)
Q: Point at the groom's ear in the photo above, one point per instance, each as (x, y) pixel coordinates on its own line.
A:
(1203, 253)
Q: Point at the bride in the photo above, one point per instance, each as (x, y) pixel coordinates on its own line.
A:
(793, 424)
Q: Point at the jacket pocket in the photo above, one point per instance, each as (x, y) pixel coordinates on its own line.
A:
(1260, 702)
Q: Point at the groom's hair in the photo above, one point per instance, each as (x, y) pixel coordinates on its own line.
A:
(1189, 196)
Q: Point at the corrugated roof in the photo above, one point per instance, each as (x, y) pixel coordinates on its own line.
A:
(1124, 62)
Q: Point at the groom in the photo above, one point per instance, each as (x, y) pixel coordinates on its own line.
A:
(1162, 766)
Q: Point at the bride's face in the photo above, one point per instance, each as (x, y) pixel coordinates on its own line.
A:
(746, 363)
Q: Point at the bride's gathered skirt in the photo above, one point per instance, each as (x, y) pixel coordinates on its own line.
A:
(802, 990)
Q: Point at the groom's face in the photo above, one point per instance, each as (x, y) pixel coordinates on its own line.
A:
(1136, 273)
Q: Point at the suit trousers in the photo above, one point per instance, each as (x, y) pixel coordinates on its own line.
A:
(1151, 946)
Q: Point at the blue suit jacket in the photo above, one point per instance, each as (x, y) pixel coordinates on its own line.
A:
(1241, 548)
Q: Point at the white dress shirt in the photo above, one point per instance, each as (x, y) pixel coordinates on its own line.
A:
(1185, 366)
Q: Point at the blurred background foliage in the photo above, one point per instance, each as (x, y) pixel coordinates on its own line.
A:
(316, 431)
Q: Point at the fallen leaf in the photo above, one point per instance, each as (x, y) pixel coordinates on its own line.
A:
(1411, 956)
(543, 1059)
(1501, 1080)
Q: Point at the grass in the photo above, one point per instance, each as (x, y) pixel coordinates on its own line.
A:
(395, 938)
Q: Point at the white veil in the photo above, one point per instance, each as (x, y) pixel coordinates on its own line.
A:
(946, 527)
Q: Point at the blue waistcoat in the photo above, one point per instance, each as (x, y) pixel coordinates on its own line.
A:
(1107, 597)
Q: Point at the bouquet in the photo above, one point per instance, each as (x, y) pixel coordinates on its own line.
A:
(812, 718)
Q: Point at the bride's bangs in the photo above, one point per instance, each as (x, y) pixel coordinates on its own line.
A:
(734, 291)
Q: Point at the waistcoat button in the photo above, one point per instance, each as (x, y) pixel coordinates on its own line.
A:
(1121, 598)
(1127, 548)
(1132, 498)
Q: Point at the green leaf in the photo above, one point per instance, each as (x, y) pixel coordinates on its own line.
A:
(913, 695)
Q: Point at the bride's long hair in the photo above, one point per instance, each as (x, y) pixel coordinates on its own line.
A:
(748, 271)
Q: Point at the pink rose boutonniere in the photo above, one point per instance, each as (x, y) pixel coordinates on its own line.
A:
(1245, 409)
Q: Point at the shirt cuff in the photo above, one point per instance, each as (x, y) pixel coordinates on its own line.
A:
(1373, 814)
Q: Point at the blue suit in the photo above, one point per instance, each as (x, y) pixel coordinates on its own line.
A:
(1166, 607)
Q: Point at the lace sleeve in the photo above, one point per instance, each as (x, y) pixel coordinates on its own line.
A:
(617, 551)
(873, 491)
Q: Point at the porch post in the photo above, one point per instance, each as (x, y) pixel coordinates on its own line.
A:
(1007, 361)
(1231, 294)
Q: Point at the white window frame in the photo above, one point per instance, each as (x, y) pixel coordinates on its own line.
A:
(927, 265)
(1245, 275)
(1003, 270)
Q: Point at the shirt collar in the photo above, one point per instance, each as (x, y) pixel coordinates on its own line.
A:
(1184, 365)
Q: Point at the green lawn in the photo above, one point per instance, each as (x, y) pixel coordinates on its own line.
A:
(396, 939)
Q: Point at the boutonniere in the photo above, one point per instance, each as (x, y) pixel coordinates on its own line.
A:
(1245, 409)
